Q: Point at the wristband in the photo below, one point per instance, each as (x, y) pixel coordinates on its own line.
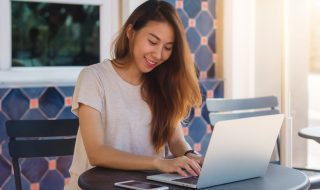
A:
(189, 151)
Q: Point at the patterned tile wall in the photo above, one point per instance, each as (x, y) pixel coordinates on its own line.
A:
(54, 102)
(34, 103)
(199, 20)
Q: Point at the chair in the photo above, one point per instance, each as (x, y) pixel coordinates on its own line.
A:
(39, 138)
(225, 109)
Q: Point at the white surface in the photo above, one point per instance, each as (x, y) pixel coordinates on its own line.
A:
(238, 32)
(314, 119)
(39, 76)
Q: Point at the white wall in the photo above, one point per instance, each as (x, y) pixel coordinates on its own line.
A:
(128, 7)
(297, 48)
(239, 48)
(261, 37)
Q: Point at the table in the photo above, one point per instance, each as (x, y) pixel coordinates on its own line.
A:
(314, 134)
(277, 177)
(310, 133)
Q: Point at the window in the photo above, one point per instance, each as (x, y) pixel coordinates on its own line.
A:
(17, 76)
(54, 34)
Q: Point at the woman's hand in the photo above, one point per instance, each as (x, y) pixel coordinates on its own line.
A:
(196, 157)
(182, 165)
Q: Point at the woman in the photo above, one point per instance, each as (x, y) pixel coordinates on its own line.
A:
(130, 107)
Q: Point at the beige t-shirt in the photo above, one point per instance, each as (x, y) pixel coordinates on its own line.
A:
(125, 115)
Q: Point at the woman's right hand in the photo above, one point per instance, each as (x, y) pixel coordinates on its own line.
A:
(182, 165)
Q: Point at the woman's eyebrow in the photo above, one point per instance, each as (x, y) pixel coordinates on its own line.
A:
(155, 36)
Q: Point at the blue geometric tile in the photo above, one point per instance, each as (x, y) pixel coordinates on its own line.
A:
(204, 23)
(216, 85)
(189, 140)
(34, 168)
(66, 90)
(211, 71)
(210, 84)
(212, 41)
(15, 104)
(34, 114)
(187, 120)
(204, 58)
(219, 90)
(33, 92)
(52, 181)
(193, 39)
(3, 132)
(204, 143)
(197, 129)
(63, 165)
(5, 149)
(184, 18)
(212, 8)
(66, 114)
(10, 185)
(3, 91)
(51, 102)
(5, 168)
(192, 7)
(205, 113)
(203, 91)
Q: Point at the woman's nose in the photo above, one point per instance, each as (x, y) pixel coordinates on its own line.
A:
(158, 53)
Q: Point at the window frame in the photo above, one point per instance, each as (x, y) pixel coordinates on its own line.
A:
(109, 26)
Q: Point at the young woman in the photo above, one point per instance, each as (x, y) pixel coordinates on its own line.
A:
(130, 107)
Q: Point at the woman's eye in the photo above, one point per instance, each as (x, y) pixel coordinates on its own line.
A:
(152, 43)
(168, 48)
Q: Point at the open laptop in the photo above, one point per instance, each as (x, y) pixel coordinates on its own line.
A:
(239, 149)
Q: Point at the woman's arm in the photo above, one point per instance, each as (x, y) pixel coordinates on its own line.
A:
(178, 146)
(101, 155)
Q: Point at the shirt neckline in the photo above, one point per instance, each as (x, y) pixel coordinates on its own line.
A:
(119, 78)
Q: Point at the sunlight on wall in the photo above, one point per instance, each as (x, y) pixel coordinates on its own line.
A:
(314, 82)
(315, 36)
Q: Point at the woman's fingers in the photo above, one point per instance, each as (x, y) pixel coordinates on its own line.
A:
(193, 167)
(182, 172)
(189, 165)
(190, 170)
(183, 165)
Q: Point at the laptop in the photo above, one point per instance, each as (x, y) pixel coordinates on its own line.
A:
(238, 149)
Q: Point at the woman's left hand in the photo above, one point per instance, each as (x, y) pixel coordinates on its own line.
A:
(196, 157)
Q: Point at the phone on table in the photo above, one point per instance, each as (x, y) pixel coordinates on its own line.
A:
(139, 185)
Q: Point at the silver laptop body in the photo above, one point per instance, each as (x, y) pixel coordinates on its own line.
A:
(239, 149)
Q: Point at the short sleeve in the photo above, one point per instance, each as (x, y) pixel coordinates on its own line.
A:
(88, 91)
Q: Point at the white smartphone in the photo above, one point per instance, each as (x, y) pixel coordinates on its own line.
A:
(139, 185)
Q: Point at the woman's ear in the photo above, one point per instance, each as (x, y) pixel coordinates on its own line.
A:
(130, 31)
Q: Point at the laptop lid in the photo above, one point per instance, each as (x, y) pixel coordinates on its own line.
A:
(238, 149)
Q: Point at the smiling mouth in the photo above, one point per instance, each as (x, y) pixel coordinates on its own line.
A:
(150, 62)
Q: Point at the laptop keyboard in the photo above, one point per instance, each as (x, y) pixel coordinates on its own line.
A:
(190, 180)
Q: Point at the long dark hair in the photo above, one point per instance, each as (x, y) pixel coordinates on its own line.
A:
(171, 89)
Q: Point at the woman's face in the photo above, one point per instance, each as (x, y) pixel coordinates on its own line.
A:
(151, 45)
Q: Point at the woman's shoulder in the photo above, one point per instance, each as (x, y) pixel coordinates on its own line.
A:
(98, 68)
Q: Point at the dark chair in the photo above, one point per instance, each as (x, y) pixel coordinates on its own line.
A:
(225, 109)
(39, 138)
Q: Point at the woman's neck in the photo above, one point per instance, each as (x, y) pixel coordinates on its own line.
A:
(128, 71)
